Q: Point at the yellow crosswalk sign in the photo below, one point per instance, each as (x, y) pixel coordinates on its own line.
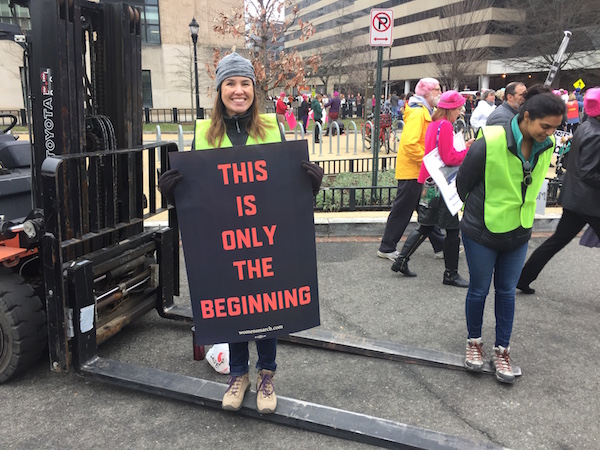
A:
(579, 84)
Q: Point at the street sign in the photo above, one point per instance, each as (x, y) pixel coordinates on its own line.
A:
(579, 84)
(382, 24)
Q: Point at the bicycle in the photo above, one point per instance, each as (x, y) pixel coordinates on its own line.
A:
(461, 125)
(387, 134)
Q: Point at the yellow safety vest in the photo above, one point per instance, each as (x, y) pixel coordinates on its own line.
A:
(504, 207)
(272, 134)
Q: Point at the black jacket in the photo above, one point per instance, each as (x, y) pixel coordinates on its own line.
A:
(303, 109)
(470, 183)
(581, 189)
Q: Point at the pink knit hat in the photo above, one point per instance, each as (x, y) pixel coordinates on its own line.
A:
(451, 100)
(591, 102)
(426, 85)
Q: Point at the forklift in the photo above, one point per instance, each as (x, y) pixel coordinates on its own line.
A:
(74, 199)
(80, 262)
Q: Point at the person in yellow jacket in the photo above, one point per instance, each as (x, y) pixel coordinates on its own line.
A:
(499, 181)
(417, 116)
(235, 120)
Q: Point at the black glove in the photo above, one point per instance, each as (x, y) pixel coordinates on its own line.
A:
(167, 182)
(315, 172)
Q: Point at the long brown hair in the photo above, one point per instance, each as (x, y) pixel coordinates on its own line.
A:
(255, 126)
(441, 113)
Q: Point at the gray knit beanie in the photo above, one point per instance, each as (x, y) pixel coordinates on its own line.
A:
(234, 65)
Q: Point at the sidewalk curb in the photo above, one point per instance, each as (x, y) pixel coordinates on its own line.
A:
(374, 226)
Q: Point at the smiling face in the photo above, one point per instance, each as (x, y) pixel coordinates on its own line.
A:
(237, 94)
(540, 128)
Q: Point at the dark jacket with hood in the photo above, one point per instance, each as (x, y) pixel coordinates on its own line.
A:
(470, 183)
(581, 189)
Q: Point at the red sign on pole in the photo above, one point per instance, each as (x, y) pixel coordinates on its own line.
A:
(382, 25)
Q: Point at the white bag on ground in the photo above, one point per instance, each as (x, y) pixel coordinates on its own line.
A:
(218, 358)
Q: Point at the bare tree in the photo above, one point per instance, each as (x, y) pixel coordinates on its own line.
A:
(456, 47)
(333, 57)
(185, 81)
(260, 25)
(540, 29)
(364, 68)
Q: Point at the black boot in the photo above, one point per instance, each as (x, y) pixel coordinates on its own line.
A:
(412, 243)
(451, 250)
(454, 279)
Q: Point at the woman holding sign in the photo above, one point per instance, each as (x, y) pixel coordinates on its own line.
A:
(432, 208)
(236, 121)
(499, 181)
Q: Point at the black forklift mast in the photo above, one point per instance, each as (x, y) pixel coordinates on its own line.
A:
(92, 178)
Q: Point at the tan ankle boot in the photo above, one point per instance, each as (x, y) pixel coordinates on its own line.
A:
(266, 400)
(234, 395)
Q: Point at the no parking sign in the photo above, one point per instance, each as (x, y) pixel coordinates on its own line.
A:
(382, 24)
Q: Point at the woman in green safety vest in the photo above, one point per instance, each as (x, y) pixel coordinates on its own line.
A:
(235, 120)
(499, 181)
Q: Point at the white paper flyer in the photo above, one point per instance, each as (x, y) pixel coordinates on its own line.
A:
(445, 178)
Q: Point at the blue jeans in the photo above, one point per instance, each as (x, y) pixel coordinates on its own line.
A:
(506, 268)
(238, 356)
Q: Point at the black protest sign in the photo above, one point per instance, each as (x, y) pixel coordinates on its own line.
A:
(247, 226)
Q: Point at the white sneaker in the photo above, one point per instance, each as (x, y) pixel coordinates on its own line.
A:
(440, 254)
(392, 256)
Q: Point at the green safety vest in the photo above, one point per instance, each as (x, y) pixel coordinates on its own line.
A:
(504, 207)
(272, 134)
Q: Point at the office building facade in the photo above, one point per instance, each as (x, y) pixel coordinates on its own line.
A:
(467, 44)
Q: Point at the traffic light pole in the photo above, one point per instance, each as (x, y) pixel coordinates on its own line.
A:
(375, 130)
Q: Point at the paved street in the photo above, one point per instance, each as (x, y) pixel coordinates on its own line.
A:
(554, 405)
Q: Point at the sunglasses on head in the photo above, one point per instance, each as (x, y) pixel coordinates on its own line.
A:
(527, 179)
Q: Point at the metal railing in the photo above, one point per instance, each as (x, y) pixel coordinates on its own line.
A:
(20, 114)
(356, 165)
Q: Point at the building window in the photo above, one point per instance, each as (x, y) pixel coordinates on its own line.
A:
(146, 89)
(150, 21)
(22, 15)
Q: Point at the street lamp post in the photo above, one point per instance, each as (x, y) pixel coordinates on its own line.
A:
(194, 27)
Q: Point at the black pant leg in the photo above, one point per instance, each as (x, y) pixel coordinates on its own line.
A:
(404, 204)
(569, 225)
(436, 238)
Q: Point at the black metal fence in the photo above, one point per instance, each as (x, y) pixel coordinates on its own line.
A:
(355, 198)
(173, 115)
(380, 198)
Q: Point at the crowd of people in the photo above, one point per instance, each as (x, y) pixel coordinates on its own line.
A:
(489, 107)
